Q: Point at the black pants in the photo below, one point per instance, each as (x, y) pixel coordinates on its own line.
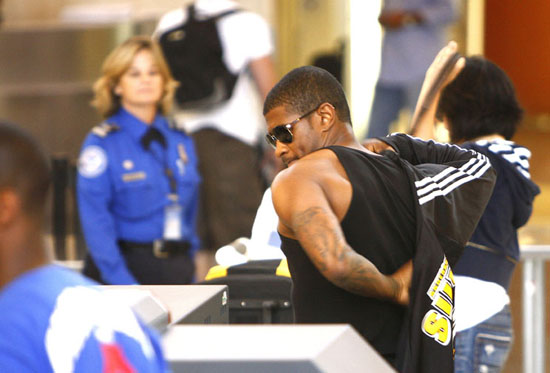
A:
(231, 188)
(149, 270)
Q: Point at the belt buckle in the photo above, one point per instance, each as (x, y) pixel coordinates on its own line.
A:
(157, 249)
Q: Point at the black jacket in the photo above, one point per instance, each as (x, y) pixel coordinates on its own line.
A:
(452, 186)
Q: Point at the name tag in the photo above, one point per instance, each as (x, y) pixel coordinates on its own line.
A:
(134, 176)
(172, 221)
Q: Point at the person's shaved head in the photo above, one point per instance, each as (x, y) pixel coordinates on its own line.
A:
(305, 88)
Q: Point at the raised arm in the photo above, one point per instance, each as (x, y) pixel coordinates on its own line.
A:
(263, 72)
(441, 72)
(306, 214)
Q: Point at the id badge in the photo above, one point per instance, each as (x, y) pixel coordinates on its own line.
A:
(172, 221)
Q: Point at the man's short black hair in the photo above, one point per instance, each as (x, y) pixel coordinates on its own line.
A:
(305, 88)
(480, 101)
(24, 167)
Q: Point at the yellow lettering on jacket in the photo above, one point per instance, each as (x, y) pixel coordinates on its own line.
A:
(438, 321)
(437, 327)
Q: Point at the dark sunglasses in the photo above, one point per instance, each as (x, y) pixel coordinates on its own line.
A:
(283, 132)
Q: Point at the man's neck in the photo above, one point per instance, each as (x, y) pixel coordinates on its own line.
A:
(11, 272)
(20, 255)
(345, 137)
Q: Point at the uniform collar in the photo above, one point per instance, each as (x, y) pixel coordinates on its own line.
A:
(134, 126)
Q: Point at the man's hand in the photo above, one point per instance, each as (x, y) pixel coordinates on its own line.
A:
(396, 19)
(403, 277)
(376, 146)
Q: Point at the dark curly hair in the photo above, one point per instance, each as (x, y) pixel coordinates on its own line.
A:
(480, 101)
(305, 88)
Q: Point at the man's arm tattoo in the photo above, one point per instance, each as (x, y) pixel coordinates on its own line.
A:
(313, 229)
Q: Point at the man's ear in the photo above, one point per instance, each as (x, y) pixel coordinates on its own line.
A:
(327, 112)
(10, 206)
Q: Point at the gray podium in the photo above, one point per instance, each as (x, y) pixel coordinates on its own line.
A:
(161, 306)
(266, 348)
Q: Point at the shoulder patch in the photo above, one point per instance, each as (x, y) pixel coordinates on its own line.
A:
(92, 161)
(103, 129)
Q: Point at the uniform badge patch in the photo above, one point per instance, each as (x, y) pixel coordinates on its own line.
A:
(128, 164)
(92, 161)
(134, 176)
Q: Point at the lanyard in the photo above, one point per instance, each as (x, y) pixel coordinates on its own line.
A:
(171, 180)
(159, 137)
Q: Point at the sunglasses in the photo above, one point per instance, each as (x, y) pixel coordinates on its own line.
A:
(283, 132)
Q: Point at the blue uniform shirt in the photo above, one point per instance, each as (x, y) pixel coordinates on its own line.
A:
(54, 321)
(123, 189)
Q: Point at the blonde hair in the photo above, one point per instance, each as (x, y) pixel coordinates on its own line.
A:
(117, 63)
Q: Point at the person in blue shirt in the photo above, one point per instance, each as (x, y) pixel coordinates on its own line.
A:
(478, 106)
(54, 319)
(414, 31)
(138, 181)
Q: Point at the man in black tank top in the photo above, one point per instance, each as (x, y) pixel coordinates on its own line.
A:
(349, 219)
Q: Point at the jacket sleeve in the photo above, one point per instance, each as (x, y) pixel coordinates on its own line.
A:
(94, 193)
(418, 151)
(452, 186)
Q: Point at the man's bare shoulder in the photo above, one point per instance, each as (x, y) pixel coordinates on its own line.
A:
(320, 160)
(301, 187)
(306, 170)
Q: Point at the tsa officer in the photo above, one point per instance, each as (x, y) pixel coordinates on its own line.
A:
(137, 175)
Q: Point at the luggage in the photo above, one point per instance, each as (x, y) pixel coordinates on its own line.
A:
(259, 291)
(194, 54)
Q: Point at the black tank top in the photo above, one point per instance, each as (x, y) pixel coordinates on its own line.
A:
(380, 225)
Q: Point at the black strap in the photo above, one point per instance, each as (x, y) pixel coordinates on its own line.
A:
(192, 12)
(153, 134)
(491, 250)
